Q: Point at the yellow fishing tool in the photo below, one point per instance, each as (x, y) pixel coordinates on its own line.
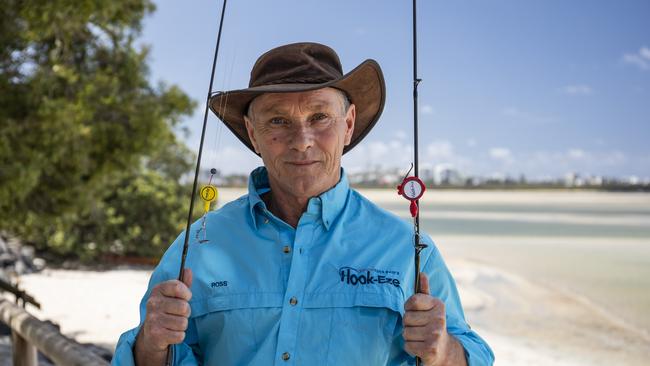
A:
(208, 194)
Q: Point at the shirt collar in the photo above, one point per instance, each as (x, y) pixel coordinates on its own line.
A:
(328, 205)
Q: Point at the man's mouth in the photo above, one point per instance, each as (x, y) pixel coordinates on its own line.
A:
(302, 162)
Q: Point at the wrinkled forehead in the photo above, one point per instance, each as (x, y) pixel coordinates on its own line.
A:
(325, 98)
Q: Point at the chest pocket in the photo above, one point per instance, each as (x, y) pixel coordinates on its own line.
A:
(237, 329)
(361, 325)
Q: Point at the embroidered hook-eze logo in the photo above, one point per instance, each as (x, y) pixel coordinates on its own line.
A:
(369, 276)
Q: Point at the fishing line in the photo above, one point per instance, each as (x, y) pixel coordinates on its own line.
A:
(412, 188)
(170, 348)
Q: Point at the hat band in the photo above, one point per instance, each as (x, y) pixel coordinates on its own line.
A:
(297, 80)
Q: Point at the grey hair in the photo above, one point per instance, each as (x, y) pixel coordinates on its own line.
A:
(346, 100)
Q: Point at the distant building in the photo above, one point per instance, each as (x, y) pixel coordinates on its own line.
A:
(446, 174)
(427, 176)
(573, 180)
(595, 181)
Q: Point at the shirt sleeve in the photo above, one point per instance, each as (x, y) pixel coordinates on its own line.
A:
(443, 286)
(185, 353)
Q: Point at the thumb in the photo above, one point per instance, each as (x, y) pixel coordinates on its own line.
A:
(424, 284)
(187, 277)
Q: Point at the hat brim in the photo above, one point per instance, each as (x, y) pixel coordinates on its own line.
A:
(364, 86)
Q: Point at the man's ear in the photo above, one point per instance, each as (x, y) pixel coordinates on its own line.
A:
(350, 117)
(251, 135)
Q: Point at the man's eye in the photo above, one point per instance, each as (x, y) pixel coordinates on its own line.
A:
(278, 121)
(319, 117)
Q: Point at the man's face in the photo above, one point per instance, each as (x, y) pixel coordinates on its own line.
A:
(300, 137)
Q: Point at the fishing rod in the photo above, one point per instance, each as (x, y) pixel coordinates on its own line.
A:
(412, 188)
(170, 348)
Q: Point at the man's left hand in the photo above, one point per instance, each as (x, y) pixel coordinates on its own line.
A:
(425, 329)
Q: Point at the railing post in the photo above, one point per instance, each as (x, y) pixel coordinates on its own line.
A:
(47, 339)
(23, 353)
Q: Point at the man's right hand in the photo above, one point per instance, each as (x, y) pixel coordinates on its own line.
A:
(168, 310)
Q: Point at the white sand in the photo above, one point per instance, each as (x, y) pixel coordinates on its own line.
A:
(89, 306)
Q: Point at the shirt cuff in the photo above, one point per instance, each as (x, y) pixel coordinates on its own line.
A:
(124, 350)
(124, 356)
(477, 352)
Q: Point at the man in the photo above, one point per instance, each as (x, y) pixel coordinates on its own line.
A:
(303, 270)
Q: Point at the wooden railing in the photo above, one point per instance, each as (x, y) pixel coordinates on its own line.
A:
(30, 334)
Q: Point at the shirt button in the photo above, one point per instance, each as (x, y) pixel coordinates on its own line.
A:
(293, 301)
(286, 249)
(286, 356)
(266, 221)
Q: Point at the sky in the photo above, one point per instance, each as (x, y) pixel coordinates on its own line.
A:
(509, 87)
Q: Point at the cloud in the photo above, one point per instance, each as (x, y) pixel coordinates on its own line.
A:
(427, 109)
(500, 153)
(396, 153)
(640, 59)
(400, 135)
(443, 152)
(576, 154)
(578, 89)
(369, 154)
(557, 163)
(519, 116)
(437, 150)
(613, 158)
(511, 111)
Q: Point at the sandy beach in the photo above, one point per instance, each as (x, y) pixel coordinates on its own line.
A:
(556, 292)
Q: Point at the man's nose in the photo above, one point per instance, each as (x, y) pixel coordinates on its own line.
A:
(302, 138)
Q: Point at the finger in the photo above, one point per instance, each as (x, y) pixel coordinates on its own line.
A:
(431, 318)
(174, 306)
(424, 284)
(421, 334)
(187, 277)
(175, 288)
(414, 318)
(162, 337)
(172, 323)
(173, 337)
(420, 302)
(421, 348)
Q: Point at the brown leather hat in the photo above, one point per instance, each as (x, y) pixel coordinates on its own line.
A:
(301, 67)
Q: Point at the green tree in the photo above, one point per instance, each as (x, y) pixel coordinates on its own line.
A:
(89, 162)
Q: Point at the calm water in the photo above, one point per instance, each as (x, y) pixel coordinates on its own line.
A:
(594, 245)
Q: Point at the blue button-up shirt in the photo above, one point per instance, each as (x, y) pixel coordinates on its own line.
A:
(329, 292)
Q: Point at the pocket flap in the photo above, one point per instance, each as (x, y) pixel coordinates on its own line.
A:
(392, 299)
(235, 301)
